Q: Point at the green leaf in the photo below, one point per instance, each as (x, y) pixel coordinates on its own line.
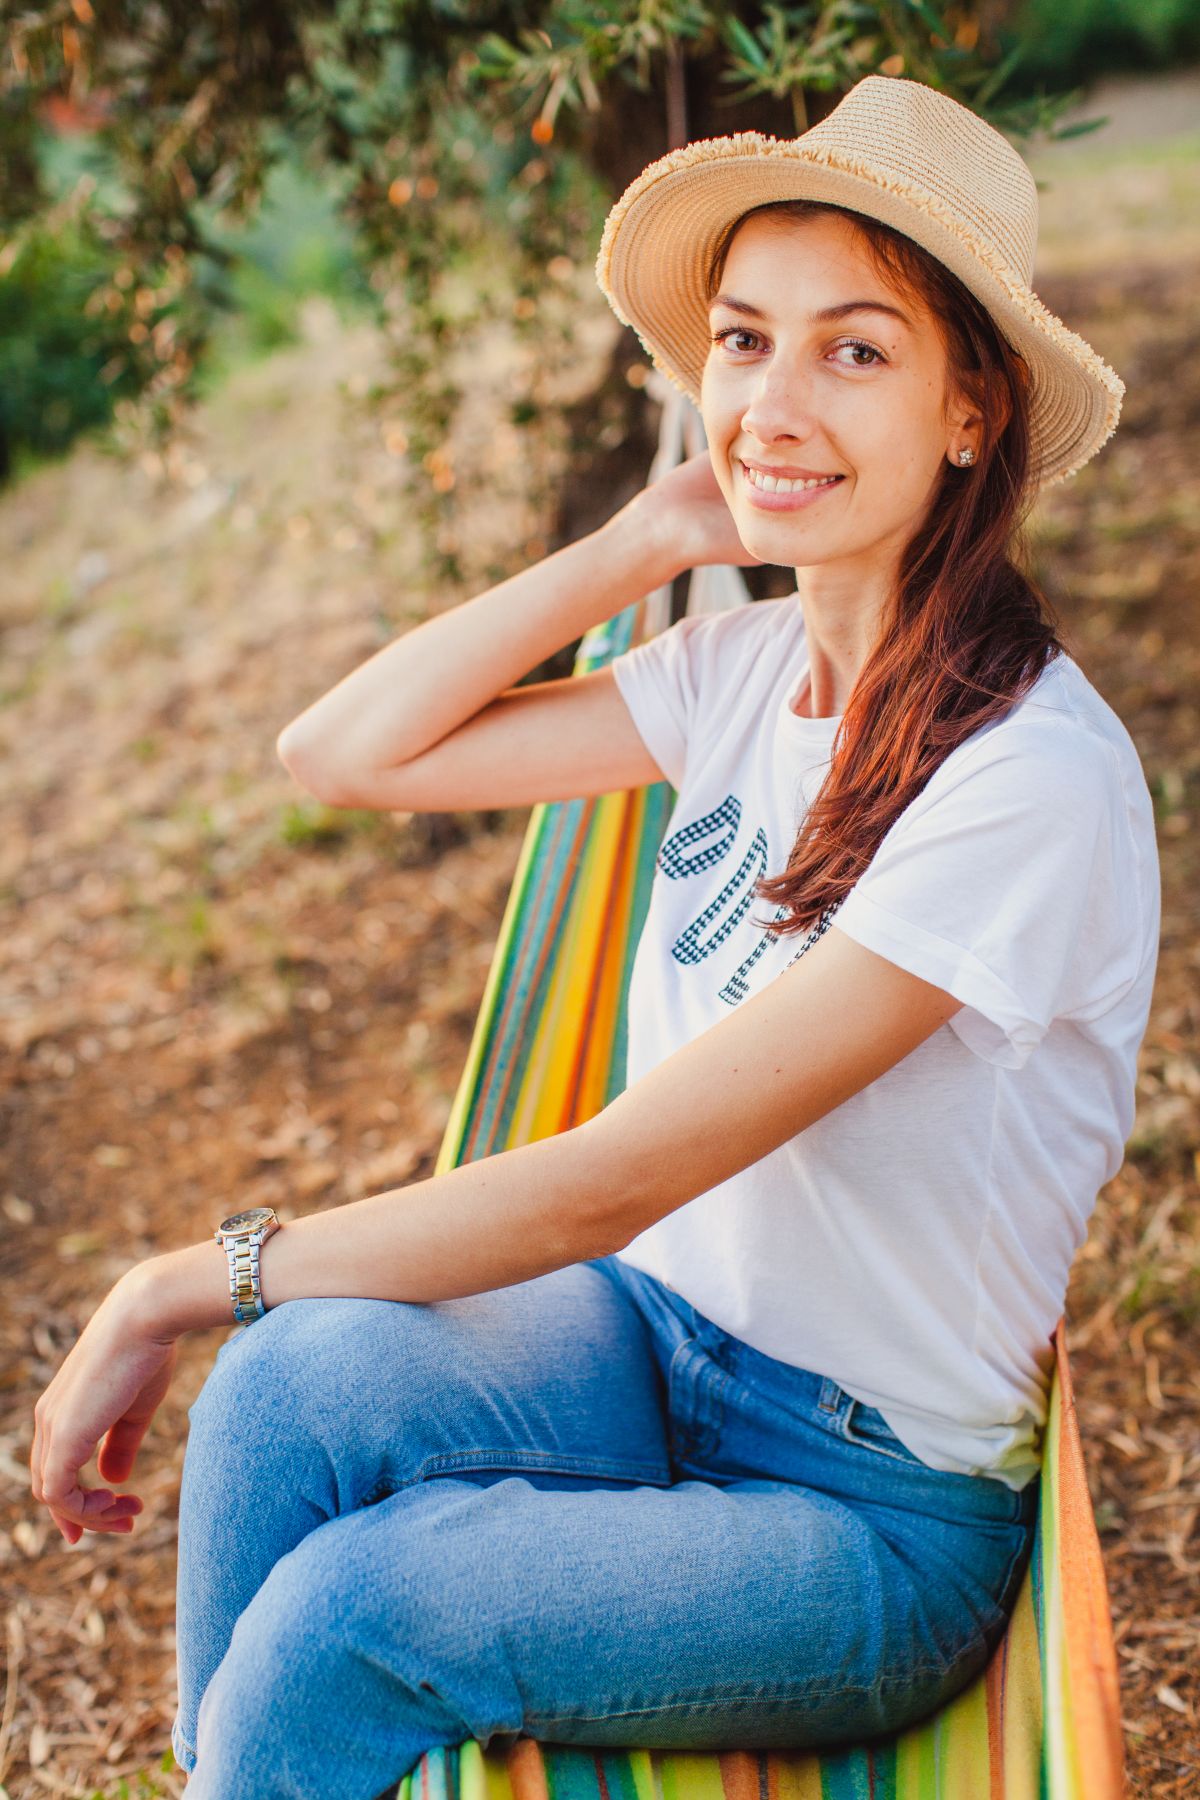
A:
(1080, 129)
(933, 22)
(745, 43)
(998, 77)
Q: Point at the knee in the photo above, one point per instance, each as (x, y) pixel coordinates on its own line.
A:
(298, 1356)
(337, 1397)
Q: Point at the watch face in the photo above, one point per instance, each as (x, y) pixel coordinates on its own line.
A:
(247, 1221)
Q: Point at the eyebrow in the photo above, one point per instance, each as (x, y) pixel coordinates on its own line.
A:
(825, 316)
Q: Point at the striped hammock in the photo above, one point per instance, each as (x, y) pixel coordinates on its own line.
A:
(1042, 1722)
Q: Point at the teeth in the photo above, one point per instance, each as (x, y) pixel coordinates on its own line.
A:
(776, 484)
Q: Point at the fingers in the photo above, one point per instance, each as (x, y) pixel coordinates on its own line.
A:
(69, 1529)
(73, 1508)
(118, 1452)
(94, 1509)
(72, 1531)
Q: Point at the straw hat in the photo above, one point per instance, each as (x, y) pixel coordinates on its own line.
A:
(902, 153)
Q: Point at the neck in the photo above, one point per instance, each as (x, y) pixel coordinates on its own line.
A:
(842, 607)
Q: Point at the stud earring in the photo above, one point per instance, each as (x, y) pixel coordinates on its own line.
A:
(966, 455)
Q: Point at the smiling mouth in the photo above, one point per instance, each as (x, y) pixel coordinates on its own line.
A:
(782, 484)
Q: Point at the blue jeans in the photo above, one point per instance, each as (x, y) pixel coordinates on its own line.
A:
(572, 1509)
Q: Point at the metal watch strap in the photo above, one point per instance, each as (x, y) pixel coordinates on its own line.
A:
(244, 1288)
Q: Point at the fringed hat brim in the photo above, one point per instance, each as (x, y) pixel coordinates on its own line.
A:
(661, 235)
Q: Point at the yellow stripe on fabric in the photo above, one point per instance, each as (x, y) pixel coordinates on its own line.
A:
(964, 1763)
(796, 1778)
(1021, 1717)
(609, 926)
(477, 1774)
(642, 1769)
(916, 1763)
(1061, 1763)
(548, 1079)
(688, 1775)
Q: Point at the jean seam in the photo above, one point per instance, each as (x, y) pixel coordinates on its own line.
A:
(770, 1696)
(546, 1462)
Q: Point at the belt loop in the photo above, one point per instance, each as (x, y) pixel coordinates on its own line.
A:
(830, 1395)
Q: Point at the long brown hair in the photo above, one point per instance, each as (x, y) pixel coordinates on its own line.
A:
(965, 633)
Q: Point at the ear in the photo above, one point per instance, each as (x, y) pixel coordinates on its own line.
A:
(964, 429)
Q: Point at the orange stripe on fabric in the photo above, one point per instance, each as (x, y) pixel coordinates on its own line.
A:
(591, 1016)
(739, 1774)
(995, 1680)
(1087, 1621)
(590, 1073)
(527, 1770)
(539, 1106)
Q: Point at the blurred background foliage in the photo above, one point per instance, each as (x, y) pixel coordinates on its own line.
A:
(174, 181)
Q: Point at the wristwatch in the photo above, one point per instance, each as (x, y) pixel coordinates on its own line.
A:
(242, 1237)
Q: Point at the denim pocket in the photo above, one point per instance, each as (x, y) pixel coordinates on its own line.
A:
(694, 1408)
(867, 1426)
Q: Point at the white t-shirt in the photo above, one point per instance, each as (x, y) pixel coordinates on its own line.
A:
(915, 1243)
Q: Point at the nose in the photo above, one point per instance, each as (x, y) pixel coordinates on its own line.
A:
(780, 405)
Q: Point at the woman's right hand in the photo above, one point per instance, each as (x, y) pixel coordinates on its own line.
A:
(103, 1397)
(689, 516)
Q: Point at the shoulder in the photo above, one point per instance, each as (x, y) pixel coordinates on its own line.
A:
(712, 650)
(746, 625)
(1061, 743)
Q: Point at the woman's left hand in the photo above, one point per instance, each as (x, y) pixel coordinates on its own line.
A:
(105, 1394)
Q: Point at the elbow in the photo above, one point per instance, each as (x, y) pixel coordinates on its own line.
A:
(621, 1194)
(312, 770)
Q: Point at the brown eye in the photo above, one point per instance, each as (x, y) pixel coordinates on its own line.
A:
(858, 344)
(732, 331)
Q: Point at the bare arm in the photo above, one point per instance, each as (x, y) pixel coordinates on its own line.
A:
(426, 683)
(828, 1026)
(825, 1028)
(434, 721)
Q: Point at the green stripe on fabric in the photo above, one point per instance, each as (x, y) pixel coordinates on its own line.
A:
(619, 1778)
(917, 1764)
(475, 1073)
(606, 640)
(641, 1763)
(886, 1782)
(571, 1774)
(852, 1775)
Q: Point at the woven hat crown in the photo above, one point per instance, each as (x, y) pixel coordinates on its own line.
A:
(927, 140)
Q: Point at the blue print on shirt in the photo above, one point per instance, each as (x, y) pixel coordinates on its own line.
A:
(680, 856)
(700, 845)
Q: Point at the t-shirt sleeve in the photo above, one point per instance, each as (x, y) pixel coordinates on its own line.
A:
(659, 681)
(1011, 882)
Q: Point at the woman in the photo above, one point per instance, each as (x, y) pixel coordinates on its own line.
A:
(713, 1422)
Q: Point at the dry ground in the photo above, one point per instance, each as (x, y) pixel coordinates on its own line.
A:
(215, 994)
